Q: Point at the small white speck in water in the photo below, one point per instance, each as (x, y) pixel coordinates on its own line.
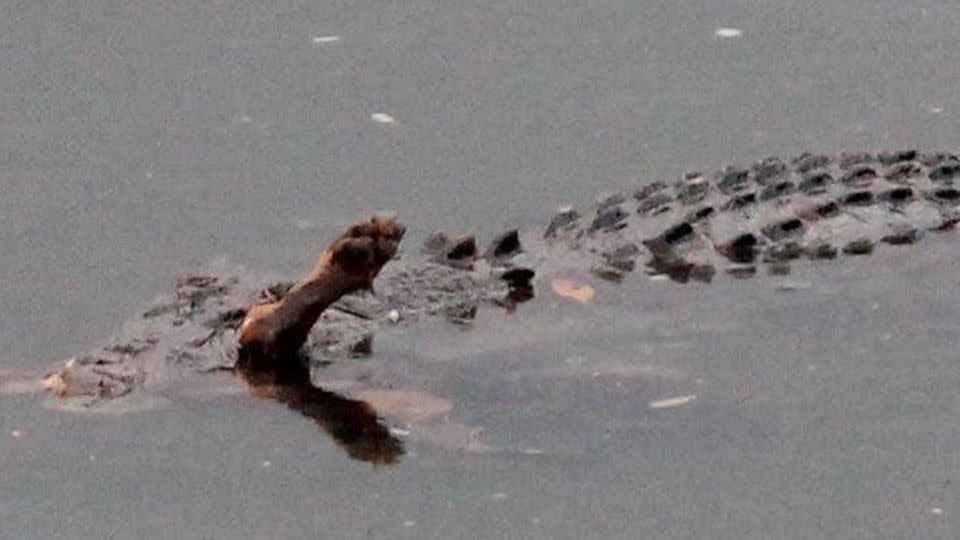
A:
(672, 402)
(320, 40)
(16, 434)
(936, 511)
(727, 32)
(393, 316)
(409, 523)
(935, 110)
(499, 496)
(382, 118)
(266, 464)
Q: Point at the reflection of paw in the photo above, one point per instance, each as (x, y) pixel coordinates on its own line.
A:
(366, 247)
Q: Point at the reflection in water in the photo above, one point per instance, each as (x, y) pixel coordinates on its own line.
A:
(353, 424)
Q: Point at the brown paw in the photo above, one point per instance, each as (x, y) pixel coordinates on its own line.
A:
(363, 250)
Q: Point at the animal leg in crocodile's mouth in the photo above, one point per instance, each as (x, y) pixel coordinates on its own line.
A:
(273, 332)
(278, 329)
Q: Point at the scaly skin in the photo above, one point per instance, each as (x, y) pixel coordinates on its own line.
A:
(738, 220)
(771, 212)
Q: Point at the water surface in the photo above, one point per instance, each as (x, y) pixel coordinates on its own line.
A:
(142, 139)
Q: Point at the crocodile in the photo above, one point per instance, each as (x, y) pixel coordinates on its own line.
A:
(737, 221)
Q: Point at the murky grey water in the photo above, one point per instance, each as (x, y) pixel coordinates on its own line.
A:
(142, 138)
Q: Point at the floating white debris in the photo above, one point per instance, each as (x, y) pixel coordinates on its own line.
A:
(16, 434)
(499, 496)
(935, 110)
(319, 40)
(936, 511)
(399, 432)
(532, 451)
(727, 32)
(266, 464)
(382, 118)
(659, 277)
(409, 523)
(672, 402)
(393, 316)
